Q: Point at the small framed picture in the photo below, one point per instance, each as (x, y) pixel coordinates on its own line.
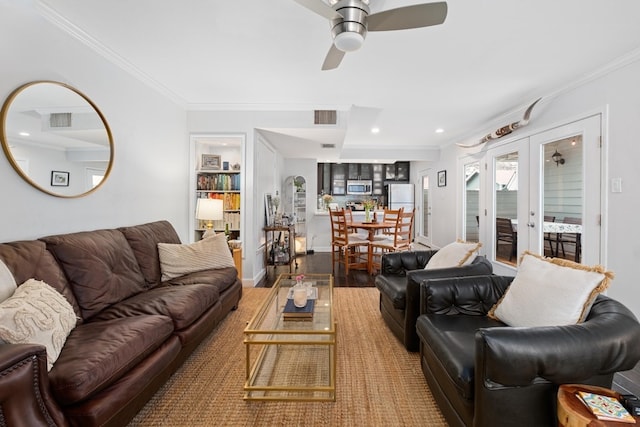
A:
(59, 179)
(442, 178)
(210, 162)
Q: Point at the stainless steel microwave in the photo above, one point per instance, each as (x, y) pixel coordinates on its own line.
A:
(360, 187)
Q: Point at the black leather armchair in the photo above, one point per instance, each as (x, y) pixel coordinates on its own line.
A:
(484, 373)
(399, 285)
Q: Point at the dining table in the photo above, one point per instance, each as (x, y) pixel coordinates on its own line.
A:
(372, 227)
(559, 228)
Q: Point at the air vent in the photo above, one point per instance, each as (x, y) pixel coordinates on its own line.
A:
(328, 145)
(60, 120)
(325, 117)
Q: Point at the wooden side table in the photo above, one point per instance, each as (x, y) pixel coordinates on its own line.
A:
(237, 260)
(573, 413)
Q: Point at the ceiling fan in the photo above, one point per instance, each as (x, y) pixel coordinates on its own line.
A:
(350, 22)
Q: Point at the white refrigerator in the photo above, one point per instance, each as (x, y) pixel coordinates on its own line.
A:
(400, 196)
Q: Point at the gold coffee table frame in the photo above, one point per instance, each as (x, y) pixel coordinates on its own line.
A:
(292, 360)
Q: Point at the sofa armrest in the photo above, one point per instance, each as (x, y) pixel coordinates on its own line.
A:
(24, 387)
(607, 342)
(398, 263)
(471, 295)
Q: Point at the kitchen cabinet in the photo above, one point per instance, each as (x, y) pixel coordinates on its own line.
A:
(398, 171)
(324, 178)
(360, 171)
(378, 179)
(338, 179)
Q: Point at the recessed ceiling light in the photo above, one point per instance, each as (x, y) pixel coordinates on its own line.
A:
(439, 130)
(24, 134)
(375, 130)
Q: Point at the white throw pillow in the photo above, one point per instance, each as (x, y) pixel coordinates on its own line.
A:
(7, 282)
(455, 254)
(211, 253)
(38, 314)
(550, 292)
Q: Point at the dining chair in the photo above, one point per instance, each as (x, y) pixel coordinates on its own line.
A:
(391, 216)
(550, 237)
(506, 233)
(350, 250)
(353, 232)
(401, 241)
(572, 239)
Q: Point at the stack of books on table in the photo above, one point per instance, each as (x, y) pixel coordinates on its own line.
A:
(605, 407)
(291, 312)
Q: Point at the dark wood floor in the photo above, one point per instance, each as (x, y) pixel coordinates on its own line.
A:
(320, 263)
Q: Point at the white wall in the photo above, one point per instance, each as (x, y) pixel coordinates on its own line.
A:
(150, 173)
(617, 92)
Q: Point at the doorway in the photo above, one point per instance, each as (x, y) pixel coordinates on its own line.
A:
(539, 184)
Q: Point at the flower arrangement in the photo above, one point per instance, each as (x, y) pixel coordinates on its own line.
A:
(369, 204)
(299, 279)
(327, 198)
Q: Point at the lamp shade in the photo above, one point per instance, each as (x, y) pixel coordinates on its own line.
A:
(209, 209)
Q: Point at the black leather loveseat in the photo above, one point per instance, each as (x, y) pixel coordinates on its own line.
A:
(484, 373)
(399, 285)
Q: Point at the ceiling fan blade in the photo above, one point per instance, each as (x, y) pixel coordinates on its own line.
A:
(319, 7)
(333, 59)
(404, 18)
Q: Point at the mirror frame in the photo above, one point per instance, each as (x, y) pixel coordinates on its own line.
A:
(12, 160)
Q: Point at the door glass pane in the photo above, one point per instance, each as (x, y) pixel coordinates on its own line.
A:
(472, 202)
(506, 209)
(562, 198)
(426, 209)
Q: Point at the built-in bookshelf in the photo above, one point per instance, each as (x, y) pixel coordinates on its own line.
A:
(217, 173)
(226, 186)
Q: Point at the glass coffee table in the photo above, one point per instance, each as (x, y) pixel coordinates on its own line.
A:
(292, 359)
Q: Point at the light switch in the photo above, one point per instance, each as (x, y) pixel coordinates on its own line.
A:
(616, 185)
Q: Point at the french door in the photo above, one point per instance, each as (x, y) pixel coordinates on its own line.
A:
(544, 184)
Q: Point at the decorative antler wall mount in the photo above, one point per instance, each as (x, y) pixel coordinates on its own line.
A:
(505, 130)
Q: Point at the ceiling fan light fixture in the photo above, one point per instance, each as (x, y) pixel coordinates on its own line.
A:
(349, 41)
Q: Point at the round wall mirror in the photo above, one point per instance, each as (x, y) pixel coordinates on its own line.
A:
(56, 139)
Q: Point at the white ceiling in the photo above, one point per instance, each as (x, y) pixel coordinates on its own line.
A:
(490, 59)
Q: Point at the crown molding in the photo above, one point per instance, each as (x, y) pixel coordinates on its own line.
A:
(79, 34)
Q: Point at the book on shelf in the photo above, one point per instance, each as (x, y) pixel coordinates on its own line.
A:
(605, 408)
(291, 312)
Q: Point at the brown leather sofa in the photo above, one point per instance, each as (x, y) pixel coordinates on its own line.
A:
(399, 286)
(133, 330)
(482, 372)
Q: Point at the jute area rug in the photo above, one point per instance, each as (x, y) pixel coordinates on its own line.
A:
(378, 383)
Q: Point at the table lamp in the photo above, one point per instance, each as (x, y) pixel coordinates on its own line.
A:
(209, 210)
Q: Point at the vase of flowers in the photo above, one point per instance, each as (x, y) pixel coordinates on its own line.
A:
(368, 206)
(327, 198)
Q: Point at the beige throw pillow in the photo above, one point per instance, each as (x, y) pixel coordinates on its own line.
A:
(550, 292)
(38, 314)
(455, 254)
(211, 253)
(7, 282)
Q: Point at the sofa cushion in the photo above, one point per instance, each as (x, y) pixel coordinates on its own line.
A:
(183, 304)
(97, 354)
(221, 278)
(144, 240)
(36, 313)
(100, 266)
(550, 292)
(455, 254)
(30, 259)
(452, 341)
(210, 253)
